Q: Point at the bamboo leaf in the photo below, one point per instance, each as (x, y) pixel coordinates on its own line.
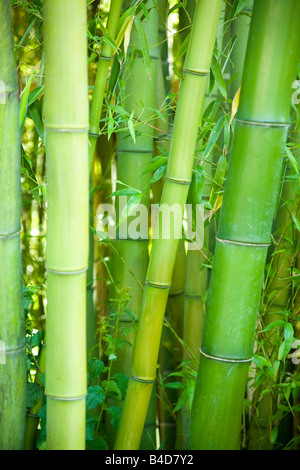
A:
(296, 222)
(34, 114)
(155, 163)
(124, 33)
(24, 103)
(218, 76)
(235, 104)
(175, 385)
(143, 45)
(286, 345)
(184, 46)
(159, 173)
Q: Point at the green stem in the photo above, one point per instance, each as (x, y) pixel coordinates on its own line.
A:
(163, 254)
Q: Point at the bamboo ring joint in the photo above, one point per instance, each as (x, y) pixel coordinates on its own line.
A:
(234, 242)
(174, 180)
(52, 397)
(262, 123)
(66, 273)
(159, 286)
(224, 359)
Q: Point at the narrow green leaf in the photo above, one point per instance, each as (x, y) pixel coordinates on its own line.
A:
(213, 137)
(131, 129)
(217, 73)
(24, 103)
(292, 160)
(143, 45)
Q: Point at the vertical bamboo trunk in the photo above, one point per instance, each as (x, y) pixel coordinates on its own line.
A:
(163, 254)
(244, 232)
(12, 328)
(66, 124)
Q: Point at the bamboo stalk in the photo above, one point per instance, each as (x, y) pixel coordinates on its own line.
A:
(12, 328)
(132, 158)
(66, 124)
(245, 224)
(164, 251)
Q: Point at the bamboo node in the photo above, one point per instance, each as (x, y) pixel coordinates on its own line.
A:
(145, 381)
(262, 123)
(193, 296)
(234, 242)
(75, 130)
(10, 235)
(159, 286)
(52, 397)
(203, 73)
(104, 57)
(225, 359)
(177, 181)
(66, 273)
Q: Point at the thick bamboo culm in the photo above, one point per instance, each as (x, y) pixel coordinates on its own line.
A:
(12, 327)
(249, 203)
(163, 254)
(66, 124)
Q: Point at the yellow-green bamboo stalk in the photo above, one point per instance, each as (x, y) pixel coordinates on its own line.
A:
(66, 124)
(12, 327)
(163, 254)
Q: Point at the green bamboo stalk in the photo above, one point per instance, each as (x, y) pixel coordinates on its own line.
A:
(132, 158)
(174, 309)
(66, 124)
(163, 254)
(245, 224)
(12, 327)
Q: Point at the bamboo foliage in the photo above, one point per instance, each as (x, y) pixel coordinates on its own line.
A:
(66, 124)
(175, 190)
(245, 224)
(12, 327)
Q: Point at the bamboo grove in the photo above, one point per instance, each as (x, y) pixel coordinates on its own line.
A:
(149, 225)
